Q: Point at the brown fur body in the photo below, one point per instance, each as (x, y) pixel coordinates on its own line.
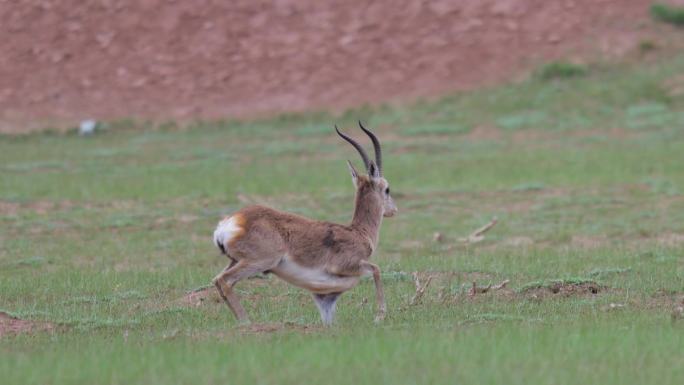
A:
(269, 235)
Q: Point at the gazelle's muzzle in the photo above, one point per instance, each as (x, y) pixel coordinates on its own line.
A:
(391, 210)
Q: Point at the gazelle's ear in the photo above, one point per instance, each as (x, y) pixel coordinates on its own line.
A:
(353, 172)
(373, 170)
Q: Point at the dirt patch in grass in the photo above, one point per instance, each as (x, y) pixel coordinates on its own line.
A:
(37, 207)
(589, 242)
(40, 207)
(262, 328)
(9, 208)
(593, 242)
(198, 297)
(10, 325)
(664, 298)
(487, 290)
(671, 239)
(562, 288)
(518, 241)
(484, 133)
(674, 86)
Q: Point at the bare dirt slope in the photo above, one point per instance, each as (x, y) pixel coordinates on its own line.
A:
(66, 60)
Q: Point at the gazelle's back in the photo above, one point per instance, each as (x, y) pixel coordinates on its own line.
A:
(263, 231)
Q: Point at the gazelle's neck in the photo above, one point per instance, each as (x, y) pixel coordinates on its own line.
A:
(367, 213)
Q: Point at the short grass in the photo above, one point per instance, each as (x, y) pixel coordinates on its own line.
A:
(105, 235)
(668, 13)
(560, 70)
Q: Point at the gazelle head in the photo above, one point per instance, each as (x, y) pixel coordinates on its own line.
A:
(372, 186)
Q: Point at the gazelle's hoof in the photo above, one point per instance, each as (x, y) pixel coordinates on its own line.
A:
(379, 318)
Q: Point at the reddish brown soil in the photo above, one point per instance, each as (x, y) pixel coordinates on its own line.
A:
(266, 328)
(11, 325)
(562, 289)
(67, 60)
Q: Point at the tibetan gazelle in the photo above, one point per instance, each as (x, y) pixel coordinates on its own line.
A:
(324, 258)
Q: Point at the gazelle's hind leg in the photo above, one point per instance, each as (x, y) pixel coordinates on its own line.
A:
(233, 273)
(231, 264)
(326, 306)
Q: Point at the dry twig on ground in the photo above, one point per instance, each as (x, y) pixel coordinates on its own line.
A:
(420, 289)
(478, 235)
(479, 290)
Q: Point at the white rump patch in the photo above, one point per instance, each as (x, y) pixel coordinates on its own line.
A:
(226, 230)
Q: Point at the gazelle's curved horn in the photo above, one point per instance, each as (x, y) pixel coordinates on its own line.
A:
(376, 147)
(362, 152)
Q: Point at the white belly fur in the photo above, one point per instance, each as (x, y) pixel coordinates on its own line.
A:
(312, 279)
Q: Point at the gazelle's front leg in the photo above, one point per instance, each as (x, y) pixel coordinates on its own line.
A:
(379, 292)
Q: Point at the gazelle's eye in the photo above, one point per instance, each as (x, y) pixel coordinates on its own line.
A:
(387, 191)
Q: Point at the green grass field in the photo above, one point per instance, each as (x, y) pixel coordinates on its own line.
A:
(104, 236)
